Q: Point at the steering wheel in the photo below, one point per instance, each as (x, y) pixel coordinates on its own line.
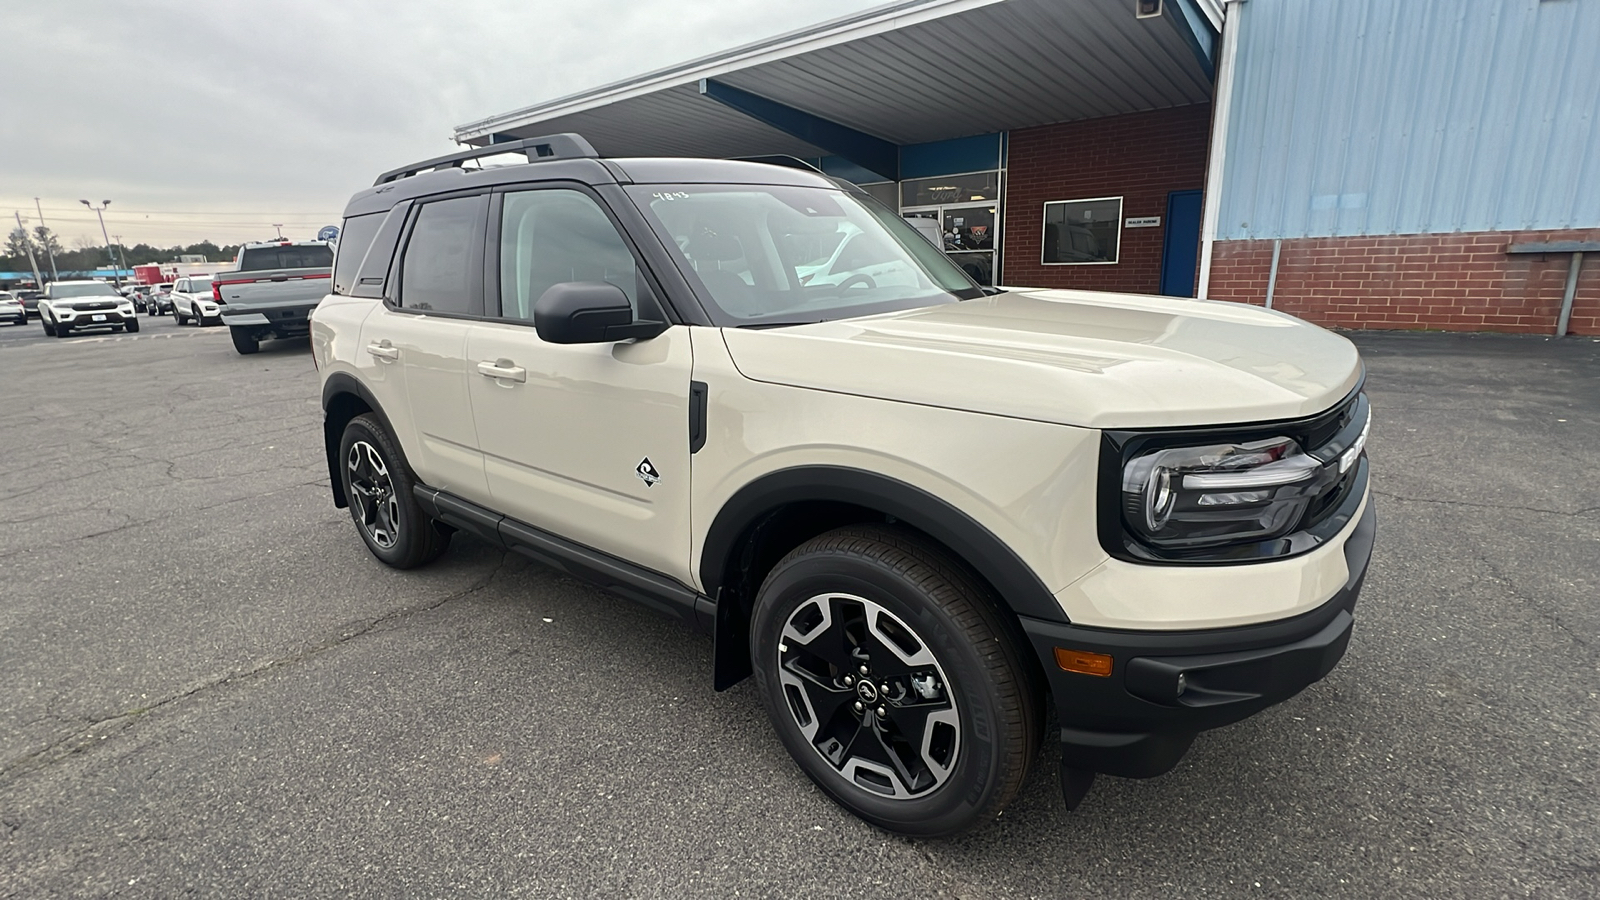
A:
(857, 280)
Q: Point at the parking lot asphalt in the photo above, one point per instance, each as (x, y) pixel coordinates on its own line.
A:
(212, 689)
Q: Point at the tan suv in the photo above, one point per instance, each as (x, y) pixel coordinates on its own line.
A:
(921, 513)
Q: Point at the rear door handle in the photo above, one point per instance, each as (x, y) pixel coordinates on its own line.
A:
(504, 369)
(384, 350)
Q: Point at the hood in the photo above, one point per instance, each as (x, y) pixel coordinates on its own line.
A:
(1080, 358)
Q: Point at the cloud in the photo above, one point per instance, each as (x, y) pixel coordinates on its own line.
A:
(217, 119)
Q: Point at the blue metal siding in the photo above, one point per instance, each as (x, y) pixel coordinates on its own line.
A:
(1364, 117)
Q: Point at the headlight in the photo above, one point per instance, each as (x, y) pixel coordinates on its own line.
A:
(1176, 499)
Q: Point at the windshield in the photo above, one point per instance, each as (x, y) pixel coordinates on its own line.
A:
(59, 290)
(305, 256)
(781, 255)
(199, 286)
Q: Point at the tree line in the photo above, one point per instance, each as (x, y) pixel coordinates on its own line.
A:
(43, 242)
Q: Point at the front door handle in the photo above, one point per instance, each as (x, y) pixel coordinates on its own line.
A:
(384, 350)
(504, 369)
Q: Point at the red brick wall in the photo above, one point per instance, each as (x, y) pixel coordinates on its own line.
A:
(1447, 282)
(1140, 157)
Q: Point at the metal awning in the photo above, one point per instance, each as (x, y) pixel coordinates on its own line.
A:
(907, 73)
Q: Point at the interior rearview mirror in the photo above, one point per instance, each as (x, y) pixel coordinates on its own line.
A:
(588, 312)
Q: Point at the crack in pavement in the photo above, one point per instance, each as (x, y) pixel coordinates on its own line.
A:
(81, 740)
(1533, 509)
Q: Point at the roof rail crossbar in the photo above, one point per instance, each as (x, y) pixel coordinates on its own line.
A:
(538, 149)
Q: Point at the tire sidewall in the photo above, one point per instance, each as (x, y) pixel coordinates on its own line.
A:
(977, 778)
(409, 525)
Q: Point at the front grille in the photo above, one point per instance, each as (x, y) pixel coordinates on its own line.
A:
(88, 305)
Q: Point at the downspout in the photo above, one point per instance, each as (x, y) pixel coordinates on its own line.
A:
(1220, 114)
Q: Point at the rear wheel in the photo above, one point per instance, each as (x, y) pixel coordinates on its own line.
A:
(893, 682)
(379, 487)
(243, 340)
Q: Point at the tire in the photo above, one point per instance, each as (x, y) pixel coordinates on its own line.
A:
(62, 330)
(243, 340)
(180, 317)
(132, 326)
(378, 484)
(49, 330)
(962, 711)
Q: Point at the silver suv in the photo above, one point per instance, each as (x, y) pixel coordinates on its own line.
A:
(919, 512)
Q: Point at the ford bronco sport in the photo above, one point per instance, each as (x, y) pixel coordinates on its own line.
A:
(915, 510)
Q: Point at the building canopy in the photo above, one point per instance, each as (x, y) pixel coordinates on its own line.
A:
(863, 87)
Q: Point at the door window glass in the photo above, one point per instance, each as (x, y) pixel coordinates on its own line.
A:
(551, 237)
(436, 274)
(354, 239)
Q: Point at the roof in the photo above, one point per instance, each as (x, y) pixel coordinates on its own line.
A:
(909, 72)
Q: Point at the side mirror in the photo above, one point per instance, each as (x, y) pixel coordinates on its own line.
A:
(588, 312)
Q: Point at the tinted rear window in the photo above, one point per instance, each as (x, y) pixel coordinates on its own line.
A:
(354, 239)
(309, 257)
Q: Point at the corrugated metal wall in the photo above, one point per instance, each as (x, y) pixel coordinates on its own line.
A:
(1363, 117)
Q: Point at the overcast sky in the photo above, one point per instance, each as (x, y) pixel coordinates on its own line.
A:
(213, 120)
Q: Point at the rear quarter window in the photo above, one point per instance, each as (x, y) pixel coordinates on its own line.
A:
(354, 240)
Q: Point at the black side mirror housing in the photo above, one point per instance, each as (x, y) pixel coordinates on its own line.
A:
(588, 312)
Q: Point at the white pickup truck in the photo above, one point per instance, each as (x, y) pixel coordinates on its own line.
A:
(272, 290)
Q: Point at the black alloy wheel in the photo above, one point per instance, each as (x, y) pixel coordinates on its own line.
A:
(379, 487)
(892, 679)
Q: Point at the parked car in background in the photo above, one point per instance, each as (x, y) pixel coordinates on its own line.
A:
(30, 300)
(11, 309)
(192, 301)
(68, 306)
(272, 290)
(159, 301)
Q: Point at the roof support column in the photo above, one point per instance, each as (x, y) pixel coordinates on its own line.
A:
(866, 151)
(1221, 110)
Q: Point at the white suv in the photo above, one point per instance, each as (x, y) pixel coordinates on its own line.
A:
(193, 300)
(916, 510)
(69, 306)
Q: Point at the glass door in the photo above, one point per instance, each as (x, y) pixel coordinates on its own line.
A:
(969, 239)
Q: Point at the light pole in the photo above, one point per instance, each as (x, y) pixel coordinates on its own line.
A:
(38, 282)
(116, 275)
(122, 257)
(54, 276)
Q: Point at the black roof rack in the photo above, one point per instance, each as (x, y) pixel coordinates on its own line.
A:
(538, 149)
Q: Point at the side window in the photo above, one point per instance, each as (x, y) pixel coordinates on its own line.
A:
(550, 237)
(182, 286)
(437, 271)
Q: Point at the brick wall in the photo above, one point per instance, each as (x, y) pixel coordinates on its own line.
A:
(1140, 157)
(1448, 282)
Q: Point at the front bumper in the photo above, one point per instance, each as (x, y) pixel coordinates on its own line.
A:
(86, 318)
(1138, 723)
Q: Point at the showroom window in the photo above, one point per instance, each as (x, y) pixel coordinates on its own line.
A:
(1082, 232)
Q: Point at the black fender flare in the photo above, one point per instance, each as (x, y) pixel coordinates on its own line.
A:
(343, 383)
(1015, 583)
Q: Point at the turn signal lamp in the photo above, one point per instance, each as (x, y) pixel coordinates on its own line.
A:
(1084, 662)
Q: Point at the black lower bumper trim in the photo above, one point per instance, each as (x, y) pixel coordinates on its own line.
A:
(1166, 687)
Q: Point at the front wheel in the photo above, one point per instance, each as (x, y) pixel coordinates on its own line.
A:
(133, 326)
(62, 330)
(891, 678)
(49, 330)
(379, 487)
